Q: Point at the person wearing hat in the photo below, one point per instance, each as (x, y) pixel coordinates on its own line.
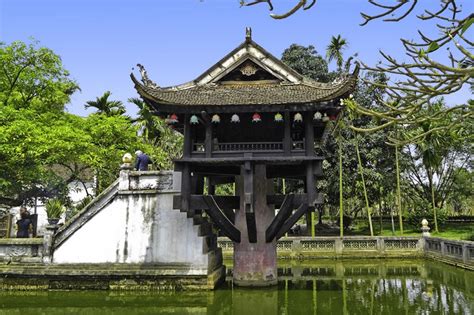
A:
(142, 161)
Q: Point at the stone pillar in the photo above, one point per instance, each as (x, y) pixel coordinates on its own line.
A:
(125, 168)
(255, 264)
(48, 239)
(425, 229)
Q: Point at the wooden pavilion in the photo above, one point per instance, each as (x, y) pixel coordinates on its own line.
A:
(247, 120)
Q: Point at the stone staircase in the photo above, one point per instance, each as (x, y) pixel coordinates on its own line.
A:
(209, 238)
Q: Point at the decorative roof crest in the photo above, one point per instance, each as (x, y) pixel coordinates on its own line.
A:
(146, 81)
(248, 34)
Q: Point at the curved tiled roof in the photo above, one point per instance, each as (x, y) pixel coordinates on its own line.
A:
(252, 94)
(209, 89)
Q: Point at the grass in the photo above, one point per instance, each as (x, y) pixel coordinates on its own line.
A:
(454, 231)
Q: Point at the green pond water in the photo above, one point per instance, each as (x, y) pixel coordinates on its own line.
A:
(323, 287)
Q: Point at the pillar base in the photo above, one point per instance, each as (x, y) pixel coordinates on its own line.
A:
(255, 264)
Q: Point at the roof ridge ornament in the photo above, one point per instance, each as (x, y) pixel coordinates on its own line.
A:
(146, 81)
(248, 34)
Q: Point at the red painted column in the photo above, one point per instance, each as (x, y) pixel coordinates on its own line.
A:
(255, 264)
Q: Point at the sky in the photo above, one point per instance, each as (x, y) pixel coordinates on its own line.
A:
(100, 41)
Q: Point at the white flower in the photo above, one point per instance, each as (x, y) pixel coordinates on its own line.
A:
(351, 96)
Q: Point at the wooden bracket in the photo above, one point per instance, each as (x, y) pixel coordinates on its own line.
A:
(221, 220)
(278, 221)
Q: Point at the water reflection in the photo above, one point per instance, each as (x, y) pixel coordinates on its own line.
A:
(327, 287)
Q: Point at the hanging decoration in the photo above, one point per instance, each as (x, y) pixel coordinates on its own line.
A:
(317, 116)
(235, 118)
(194, 120)
(278, 117)
(325, 117)
(216, 119)
(333, 117)
(298, 118)
(172, 119)
(256, 118)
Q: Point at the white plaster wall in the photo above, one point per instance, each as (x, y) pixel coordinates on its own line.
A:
(136, 228)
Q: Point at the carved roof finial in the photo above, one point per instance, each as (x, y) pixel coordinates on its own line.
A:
(146, 81)
(248, 34)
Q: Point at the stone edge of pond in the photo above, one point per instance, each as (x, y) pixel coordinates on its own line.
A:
(120, 277)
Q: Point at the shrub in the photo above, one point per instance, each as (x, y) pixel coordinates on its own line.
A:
(54, 208)
(415, 216)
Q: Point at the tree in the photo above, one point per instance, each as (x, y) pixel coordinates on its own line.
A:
(436, 160)
(147, 123)
(105, 106)
(33, 77)
(34, 88)
(430, 73)
(334, 50)
(307, 61)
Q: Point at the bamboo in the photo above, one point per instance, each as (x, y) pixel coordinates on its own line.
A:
(341, 210)
(364, 188)
(399, 197)
(433, 202)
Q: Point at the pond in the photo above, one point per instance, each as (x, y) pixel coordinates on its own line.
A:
(321, 287)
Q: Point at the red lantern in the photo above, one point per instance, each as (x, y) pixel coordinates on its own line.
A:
(256, 118)
(172, 119)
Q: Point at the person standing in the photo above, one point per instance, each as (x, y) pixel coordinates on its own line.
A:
(24, 225)
(142, 161)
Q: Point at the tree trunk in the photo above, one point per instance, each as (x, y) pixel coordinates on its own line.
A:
(399, 197)
(361, 170)
(341, 210)
(433, 203)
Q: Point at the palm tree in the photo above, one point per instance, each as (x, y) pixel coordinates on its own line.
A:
(334, 50)
(104, 106)
(148, 124)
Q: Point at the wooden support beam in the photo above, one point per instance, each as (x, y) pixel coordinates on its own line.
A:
(185, 188)
(277, 200)
(309, 133)
(292, 220)
(233, 202)
(218, 180)
(208, 139)
(247, 173)
(287, 143)
(187, 145)
(197, 184)
(278, 221)
(310, 186)
(219, 218)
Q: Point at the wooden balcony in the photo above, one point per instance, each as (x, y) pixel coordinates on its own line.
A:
(239, 148)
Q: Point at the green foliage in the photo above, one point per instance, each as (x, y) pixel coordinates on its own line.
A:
(334, 50)
(105, 106)
(54, 208)
(416, 215)
(43, 148)
(33, 78)
(307, 61)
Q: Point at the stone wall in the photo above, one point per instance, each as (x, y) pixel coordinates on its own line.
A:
(134, 222)
(21, 250)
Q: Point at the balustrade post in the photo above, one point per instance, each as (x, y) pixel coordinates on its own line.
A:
(338, 245)
(465, 253)
(380, 245)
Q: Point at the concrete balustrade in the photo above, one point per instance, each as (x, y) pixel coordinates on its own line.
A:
(459, 253)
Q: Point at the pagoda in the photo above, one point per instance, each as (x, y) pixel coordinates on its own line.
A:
(248, 120)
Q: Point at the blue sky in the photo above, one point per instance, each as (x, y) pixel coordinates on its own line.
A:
(101, 40)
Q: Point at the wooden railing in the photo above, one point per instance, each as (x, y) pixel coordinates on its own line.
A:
(248, 146)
